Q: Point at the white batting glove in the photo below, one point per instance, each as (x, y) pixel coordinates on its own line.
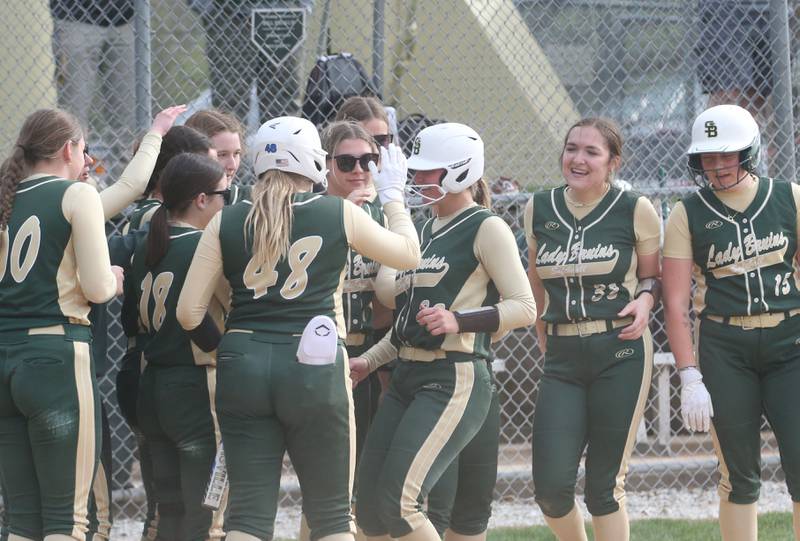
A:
(390, 181)
(696, 408)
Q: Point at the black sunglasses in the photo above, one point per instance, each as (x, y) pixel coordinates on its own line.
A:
(346, 162)
(226, 195)
(383, 140)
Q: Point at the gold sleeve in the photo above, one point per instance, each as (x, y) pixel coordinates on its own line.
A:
(397, 247)
(677, 237)
(646, 227)
(527, 221)
(385, 290)
(133, 182)
(82, 209)
(203, 277)
(381, 353)
(496, 249)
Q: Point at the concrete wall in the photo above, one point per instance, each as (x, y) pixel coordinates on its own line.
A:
(468, 61)
(27, 65)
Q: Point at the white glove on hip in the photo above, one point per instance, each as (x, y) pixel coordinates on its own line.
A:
(390, 181)
(696, 408)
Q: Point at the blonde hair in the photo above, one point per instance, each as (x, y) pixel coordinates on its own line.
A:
(271, 217)
(481, 193)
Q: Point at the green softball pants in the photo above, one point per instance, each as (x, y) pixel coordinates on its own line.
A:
(269, 403)
(49, 431)
(591, 397)
(176, 416)
(429, 415)
(749, 373)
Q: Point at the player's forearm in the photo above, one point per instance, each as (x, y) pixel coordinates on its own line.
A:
(397, 247)
(679, 334)
(381, 353)
(133, 182)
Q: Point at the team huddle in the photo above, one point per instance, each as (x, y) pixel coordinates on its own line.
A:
(306, 313)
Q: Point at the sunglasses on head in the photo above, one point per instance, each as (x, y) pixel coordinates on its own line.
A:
(383, 140)
(226, 195)
(346, 162)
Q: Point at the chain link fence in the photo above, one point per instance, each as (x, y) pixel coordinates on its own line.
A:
(518, 71)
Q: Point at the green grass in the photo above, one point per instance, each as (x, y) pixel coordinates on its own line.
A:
(771, 527)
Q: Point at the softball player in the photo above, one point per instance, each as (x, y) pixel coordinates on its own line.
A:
(446, 310)
(176, 140)
(737, 237)
(593, 263)
(114, 198)
(226, 134)
(176, 392)
(49, 451)
(350, 148)
(276, 392)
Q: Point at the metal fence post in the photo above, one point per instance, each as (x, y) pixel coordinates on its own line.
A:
(141, 24)
(782, 90)
(378, 40)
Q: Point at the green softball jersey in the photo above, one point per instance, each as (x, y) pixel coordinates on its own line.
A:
(446, 277)
(359, 282)
(743, 247)
(471, 259)
(260, 292)
(587, 265)
(281, 297)
(53, 258)
(240, 192)
(157, 290)
(141, 214)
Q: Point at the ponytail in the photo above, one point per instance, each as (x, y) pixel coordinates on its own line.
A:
(481, 194)
(271, 217)
(41, 137)
(184, 178)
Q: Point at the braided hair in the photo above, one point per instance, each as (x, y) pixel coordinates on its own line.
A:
(42, 135)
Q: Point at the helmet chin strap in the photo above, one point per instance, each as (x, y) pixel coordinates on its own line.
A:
(739, 179)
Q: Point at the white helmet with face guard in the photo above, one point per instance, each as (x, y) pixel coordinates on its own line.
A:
(724, 129)
(456, 148)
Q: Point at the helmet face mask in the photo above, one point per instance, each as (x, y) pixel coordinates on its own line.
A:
(455, 148)
(290, 144)
(721, 130)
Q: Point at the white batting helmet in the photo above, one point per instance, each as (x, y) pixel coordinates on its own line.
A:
(724, 128)
(456, 148)
(291, 144)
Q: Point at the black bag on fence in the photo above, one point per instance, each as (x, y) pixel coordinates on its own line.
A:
(333, 79)
(410, 126)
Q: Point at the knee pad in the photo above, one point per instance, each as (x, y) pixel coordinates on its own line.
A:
(555, 504)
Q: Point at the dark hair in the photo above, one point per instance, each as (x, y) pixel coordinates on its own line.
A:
(184, 178)
(608, 129)
(177, 140)
(42, 135)
(212, 121)
(362, 109)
